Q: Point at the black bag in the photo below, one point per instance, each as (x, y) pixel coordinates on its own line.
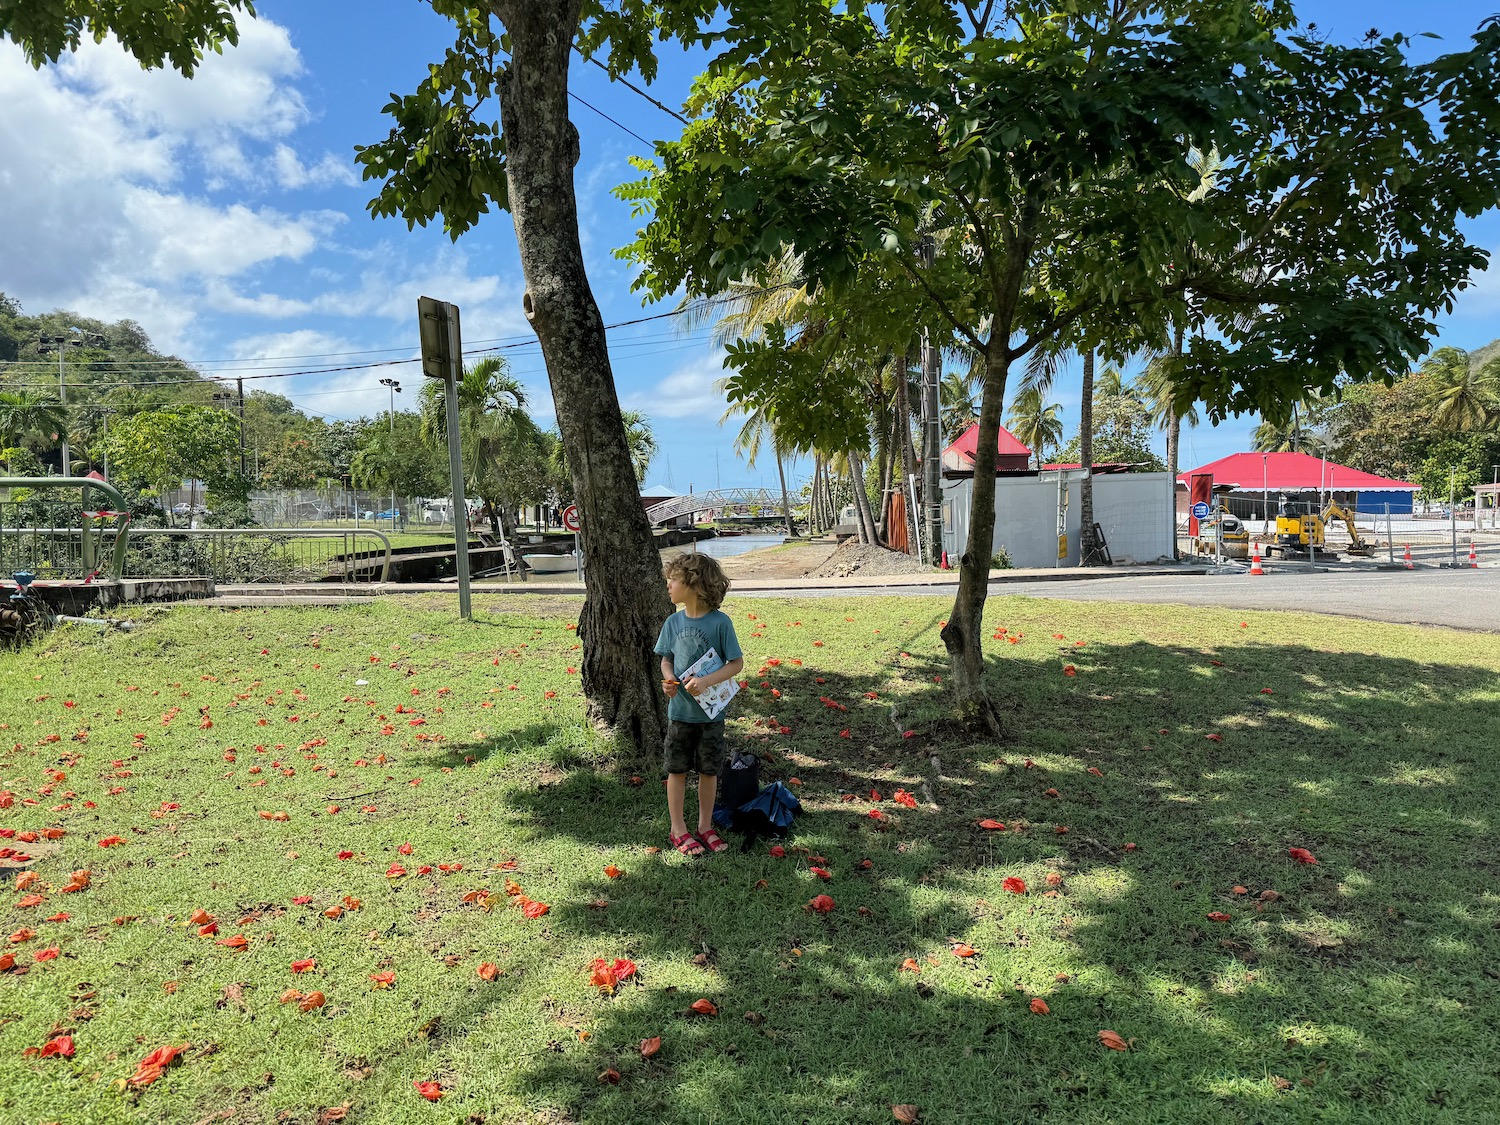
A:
(739, 783)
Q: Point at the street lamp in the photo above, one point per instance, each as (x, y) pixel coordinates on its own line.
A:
(395, 386)
(44, 345)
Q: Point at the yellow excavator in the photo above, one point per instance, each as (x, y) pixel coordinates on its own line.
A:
(1300, 528)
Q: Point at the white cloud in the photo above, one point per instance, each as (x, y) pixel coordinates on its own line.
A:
(291, 172)
(687, 392)
(246, 90)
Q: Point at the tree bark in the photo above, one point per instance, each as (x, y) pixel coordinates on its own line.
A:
(1089, 553)
(625, 596)
(964, 632)
(786, 504)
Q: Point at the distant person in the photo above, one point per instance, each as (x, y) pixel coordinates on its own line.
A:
(694, 740)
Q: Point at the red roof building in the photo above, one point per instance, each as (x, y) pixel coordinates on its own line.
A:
(1262, 477)
(1011, 456)
(1292, 472)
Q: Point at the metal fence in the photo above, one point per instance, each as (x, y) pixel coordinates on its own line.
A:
(1433, 538)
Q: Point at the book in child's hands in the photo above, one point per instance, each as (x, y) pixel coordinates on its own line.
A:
(713, 700)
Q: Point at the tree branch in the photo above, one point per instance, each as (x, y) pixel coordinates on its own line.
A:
(963, 329)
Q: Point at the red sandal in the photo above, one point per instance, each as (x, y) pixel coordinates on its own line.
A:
(687, 844)
(710, 840)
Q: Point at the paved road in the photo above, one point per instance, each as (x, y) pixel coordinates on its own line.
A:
(1461, 599)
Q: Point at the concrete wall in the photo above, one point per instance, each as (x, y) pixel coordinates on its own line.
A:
(1133, 509)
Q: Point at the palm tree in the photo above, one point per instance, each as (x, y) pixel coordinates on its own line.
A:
(641, 440)
(497, 434)
(25, 415)
(1035, 422)
(1462, 398)
(958, 400)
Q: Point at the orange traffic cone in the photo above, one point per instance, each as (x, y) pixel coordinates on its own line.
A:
(1409, 564)
(1255, 567)
(1473, 556)
(945, 561)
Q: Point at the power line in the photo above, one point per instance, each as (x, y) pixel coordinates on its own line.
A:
(611, 120)
(623, 81)
(232, 377)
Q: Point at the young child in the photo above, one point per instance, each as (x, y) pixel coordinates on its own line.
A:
(694, 741)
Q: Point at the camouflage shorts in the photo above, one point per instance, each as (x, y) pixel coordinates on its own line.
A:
(694, 746)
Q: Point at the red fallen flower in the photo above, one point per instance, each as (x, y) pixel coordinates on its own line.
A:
(650, 1046)
(535, 909)
(902, 797)
(777, 850)
(1015, 885)
(704, 1007)
(871, 695)
(1218, 916)
(612, 871)
(845, 734)
(395, 871)
(111, 841)
(60, 916)
(383, 980)
(450, 868)
(30, 900)
(962, 950)
(875, 814)
(48, 954)
(304, 966)
(1096, 771)
(301, 900)
(1302, 855)
(1051, 793)
(990, 825)
(425, 869)
(60, 1047)
(154, 1065)
(7, 962)
(1113, 1041)
(1039, 1006)
(208, 930)
(821, 872)
(909, 734)
(1266, 691)
(1214, 737)
(346, 855)
(820, 904)
(1069, 670)
(23, 934)
(404, 849)
(239, 941)
(429, 1090)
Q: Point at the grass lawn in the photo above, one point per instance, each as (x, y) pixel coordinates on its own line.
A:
(354, 791)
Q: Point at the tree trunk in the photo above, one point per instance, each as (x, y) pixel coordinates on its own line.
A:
(1174, 439)
(908, 453)
(1089, 553)
(964, 632)
(786, 505)
(625, 598)
(862, 514)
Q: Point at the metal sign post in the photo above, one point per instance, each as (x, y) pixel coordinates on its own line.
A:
(572, 522)
(442, 358)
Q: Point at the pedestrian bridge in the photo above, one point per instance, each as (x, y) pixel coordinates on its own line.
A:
(718, 504)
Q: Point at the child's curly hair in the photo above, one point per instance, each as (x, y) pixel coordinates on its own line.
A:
(703, 573)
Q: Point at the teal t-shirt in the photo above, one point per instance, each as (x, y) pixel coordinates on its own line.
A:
(685, 639)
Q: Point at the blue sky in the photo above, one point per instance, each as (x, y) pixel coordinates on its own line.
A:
(228, 218)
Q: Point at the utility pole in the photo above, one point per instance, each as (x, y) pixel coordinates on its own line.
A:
(241, 384)
(61, 342)
(395, 390)
(932, 448)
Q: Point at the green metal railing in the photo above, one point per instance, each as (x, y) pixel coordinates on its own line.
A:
(236, 554)
(260, 554)
(91, 549)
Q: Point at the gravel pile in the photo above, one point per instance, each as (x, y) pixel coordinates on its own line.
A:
(852, 558)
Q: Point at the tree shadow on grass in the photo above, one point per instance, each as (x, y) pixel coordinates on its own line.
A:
(1356, 992)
